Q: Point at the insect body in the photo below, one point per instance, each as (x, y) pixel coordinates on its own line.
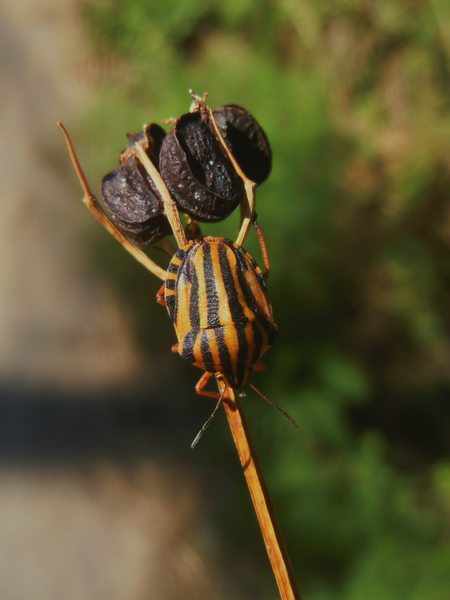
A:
(216, 297)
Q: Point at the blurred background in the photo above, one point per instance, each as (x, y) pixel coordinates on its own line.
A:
(100, 495)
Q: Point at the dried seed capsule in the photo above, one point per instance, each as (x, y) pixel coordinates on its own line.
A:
(197, 171)
(131, 196)
(246, 140)
(153, 136)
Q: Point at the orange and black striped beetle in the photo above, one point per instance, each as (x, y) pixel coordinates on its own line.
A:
(216, 297)
(214, 291)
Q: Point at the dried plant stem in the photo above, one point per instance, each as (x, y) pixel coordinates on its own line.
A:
(247, 203)
(270, 530)
(170, 208)
(94, 207)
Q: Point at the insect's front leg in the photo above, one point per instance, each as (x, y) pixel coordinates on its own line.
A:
(160, 296)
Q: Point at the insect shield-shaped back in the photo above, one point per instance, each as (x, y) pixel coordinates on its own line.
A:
(216, 298)
(130, 194)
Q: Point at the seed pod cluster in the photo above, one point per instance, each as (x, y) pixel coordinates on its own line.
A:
(194, 166)
(132, 197)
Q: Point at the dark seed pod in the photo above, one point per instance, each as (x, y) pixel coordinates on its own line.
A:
(246, 140)
(196, 170)
(131, 196)
(153, 135)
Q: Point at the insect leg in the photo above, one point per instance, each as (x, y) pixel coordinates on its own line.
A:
(202, 383)
(160, 296)
(94, 207)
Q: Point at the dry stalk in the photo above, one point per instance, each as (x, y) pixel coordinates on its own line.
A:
(273, 541)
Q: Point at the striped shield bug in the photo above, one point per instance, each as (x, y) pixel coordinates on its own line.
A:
(216, 297)
(214, 291)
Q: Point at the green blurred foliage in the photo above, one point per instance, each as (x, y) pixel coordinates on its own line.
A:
(354, 97)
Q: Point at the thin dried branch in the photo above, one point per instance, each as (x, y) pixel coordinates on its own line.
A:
(94, 207)
(275, 547)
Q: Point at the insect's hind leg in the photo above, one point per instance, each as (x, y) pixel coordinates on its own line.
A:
(202, 383)
(94, 207)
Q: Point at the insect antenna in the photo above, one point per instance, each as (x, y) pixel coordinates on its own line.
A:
(208, 421)
(281, 410)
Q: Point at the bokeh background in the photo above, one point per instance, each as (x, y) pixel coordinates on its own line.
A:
(100, 495)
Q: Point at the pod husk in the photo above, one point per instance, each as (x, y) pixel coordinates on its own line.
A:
(246, 140)
(131, 196)
(197, 171)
